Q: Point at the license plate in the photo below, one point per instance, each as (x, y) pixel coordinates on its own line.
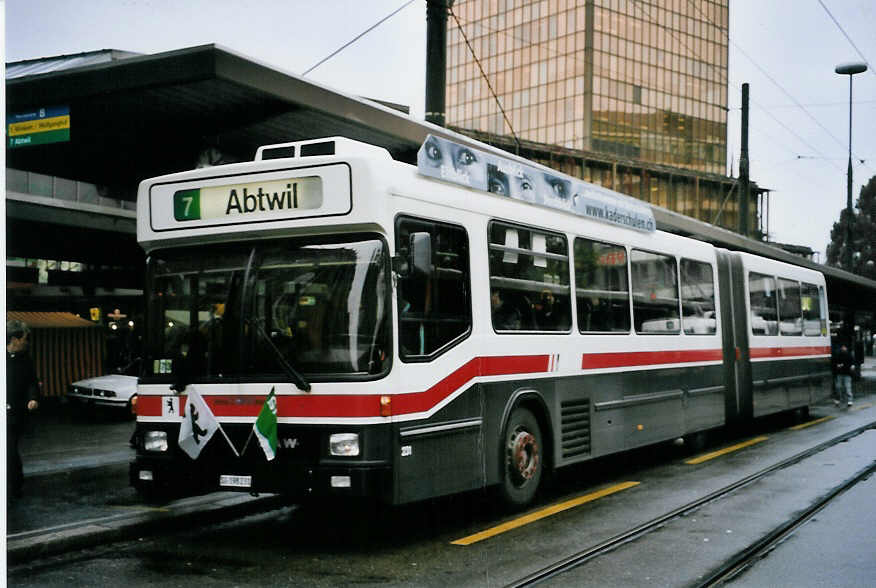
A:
(235, 481)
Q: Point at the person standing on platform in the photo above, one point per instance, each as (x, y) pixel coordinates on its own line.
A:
(844, 374)
(22, 391)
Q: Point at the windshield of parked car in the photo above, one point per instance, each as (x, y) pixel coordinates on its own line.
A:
(271, 310)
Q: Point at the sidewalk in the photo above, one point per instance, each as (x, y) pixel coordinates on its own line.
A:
(869, 365)
(57, 442)
(76, 490)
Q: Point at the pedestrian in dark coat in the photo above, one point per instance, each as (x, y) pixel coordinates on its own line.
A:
(844, 362)
(22, 391)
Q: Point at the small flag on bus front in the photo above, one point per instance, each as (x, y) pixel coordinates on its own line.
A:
(265, 426)
(198, 425)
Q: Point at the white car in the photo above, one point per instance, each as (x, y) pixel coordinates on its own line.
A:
(113, 390)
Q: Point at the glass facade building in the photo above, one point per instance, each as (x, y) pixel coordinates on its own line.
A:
(642, 82)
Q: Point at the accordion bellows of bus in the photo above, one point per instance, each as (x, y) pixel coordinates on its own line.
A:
(327, 321)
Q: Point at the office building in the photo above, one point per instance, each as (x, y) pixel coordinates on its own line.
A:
(636, 83)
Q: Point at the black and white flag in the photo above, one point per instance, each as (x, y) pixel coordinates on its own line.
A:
(198, 424)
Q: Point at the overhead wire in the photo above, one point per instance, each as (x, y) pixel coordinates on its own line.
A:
(597, 68)
(722, 72)
(772, 79)
(486, 78)
(848, 38)
(796, 102)
(860, 53)
(723, 75)
(727, 80)
(814, 105)
(357, 37)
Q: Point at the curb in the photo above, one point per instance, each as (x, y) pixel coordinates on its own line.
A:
(213, 508)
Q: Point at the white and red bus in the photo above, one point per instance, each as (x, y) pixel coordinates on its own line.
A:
(470, 322)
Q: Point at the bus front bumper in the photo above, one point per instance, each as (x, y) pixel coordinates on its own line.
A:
(157, 476)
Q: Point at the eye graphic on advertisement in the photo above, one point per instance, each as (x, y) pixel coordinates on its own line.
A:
(557, 186)
(498, 186)
(497, 181)
(433, 152)
(465, 157)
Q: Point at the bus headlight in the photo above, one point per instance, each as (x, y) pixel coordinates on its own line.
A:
(155, 441)
(345, 444)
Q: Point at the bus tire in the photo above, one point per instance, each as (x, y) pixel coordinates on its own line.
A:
(522, 459)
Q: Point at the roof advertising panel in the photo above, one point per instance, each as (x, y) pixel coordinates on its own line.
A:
(459, 164)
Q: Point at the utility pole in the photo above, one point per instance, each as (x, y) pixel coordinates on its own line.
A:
(743, 167)
(436, 59)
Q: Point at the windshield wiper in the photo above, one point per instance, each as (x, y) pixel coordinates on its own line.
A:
(293, 374)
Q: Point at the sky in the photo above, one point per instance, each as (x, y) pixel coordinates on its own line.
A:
(786, 51)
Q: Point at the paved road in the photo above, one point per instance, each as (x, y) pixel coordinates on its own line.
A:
(76, 485)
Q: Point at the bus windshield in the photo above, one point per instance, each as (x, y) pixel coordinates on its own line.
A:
(266, 310)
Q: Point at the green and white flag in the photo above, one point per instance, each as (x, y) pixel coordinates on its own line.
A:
(265, 426)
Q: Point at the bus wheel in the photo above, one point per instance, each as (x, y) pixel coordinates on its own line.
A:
(523, 459)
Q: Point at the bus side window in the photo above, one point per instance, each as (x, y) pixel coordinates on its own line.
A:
(602, 289)
(790, 312)
(655, 292)
(811, 306)
(529, 279)
(762, 299)
(698, 298)
(433, 310)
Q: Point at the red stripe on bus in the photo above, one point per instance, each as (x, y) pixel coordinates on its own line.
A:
(362, 405)
(480, 366)
(591, 361)
(149, 405)
(760, 352)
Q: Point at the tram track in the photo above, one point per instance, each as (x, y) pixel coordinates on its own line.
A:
(749, 556)
(740, 560)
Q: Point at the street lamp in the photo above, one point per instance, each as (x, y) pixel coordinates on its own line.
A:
(849, 69)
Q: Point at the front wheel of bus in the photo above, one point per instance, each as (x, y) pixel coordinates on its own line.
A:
(523, 459)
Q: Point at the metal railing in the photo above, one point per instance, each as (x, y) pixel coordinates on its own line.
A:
(25, 182)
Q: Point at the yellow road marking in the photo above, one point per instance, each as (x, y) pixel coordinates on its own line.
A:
(720, 452)
(543, 513)
(862, 406)
(810, 423)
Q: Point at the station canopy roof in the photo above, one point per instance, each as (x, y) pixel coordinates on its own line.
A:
(50, 320)
(134, 117)
(137, 116)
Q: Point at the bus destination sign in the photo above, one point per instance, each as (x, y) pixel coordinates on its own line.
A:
(212, 197)
(245, 200)
(459, 164)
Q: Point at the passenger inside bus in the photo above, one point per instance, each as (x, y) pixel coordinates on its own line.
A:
(549, 314)
(507, 312)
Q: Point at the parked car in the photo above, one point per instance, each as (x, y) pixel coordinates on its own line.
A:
(111, 390)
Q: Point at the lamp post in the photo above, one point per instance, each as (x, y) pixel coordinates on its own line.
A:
(849, 69)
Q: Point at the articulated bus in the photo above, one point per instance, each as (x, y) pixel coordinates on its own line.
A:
(470, 322)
